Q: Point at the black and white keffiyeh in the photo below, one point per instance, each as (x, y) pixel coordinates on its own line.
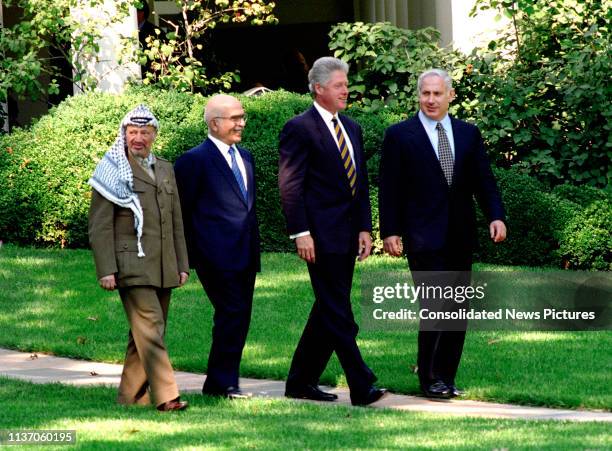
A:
(113, 177)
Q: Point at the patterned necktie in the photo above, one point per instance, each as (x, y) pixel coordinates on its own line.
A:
(445, 154)
(349, 167)
(237, 173)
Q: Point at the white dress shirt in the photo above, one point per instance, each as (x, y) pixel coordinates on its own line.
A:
(432, 133)
(224, 149)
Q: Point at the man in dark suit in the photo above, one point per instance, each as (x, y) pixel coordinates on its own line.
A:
(216, 181)
(136, 234)
(431, 168)
(324, 193)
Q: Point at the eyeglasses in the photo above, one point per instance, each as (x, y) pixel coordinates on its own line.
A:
(234, 119)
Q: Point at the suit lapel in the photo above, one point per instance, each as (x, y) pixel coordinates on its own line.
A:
(460, 147)
(221, 163)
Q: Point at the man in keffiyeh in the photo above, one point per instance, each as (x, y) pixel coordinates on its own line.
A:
(136, 234)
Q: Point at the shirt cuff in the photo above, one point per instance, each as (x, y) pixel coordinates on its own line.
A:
(297, 235)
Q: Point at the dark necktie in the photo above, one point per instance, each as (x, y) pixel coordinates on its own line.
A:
(445, 154)
(237, 173)
(349, 167)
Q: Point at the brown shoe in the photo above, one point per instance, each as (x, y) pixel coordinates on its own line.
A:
(175, 404)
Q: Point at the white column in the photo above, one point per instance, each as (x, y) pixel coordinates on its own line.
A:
(390, 15)
(401, 9)
(3, 105)
(106, 67)
(379, 14)
(394, 11)
(444, 21)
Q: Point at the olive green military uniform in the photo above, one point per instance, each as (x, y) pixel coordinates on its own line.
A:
(144, 282)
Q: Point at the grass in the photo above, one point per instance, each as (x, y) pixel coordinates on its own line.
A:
(212, 423)
(50, 302)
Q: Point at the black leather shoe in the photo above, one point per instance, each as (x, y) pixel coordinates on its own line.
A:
(455, 391)
(310, 392)
(175, 404)
(374, 394)
(230, 392)
(236, 393)
(437, 390)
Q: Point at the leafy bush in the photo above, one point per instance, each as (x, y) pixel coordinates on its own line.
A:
(582, 195)
(534, 219)
(586, 242)
(44, 196)
(540, 93)
(386, 61)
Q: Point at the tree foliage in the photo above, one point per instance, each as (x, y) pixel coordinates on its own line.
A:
(49, 31)
(543, 88)
(386, 61)
(174, 57)
(540, 93)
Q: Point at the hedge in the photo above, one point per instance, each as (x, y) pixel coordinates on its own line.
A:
(44, 196)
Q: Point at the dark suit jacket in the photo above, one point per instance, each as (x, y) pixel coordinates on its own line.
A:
(314, 187)
(220, 226)
(113, 238)
(415, 201)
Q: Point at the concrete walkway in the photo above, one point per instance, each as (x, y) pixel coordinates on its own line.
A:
(42, 369)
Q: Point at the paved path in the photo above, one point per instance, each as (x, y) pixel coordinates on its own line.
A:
(42, 368)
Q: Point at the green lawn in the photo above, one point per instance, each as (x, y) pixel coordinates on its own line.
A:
(212, 423)
(50, 302)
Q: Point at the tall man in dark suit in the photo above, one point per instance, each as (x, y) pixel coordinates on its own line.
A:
(136, 234)
(216, 181)
(324, 193)
(432, 166)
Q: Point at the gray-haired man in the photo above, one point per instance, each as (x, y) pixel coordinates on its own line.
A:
(324, 193)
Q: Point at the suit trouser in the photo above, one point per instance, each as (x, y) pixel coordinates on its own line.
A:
(439, 351)
(231, 294)
(146, 360)
(330, 327)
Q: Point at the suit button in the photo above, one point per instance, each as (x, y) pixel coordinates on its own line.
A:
(163, 221)
(125, 246)
(163, 237)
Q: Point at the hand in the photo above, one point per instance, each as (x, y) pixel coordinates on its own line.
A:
(183, 276)
(108, 282)
(305, 248)
(498, 231)
(365, 245)
(392, 245)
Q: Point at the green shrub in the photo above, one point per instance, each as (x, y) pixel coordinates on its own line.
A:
(586, 242)
(535, 221)
(539, 93)
(44, 196)
(582, 195)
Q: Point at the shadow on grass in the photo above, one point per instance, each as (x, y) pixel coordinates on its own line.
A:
(51, 303)
(271, 424)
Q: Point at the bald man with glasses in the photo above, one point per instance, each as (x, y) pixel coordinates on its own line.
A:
(216, 181)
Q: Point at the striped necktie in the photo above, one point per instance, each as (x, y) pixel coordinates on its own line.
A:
(349, 167)
(445, 154)
(237, 173)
